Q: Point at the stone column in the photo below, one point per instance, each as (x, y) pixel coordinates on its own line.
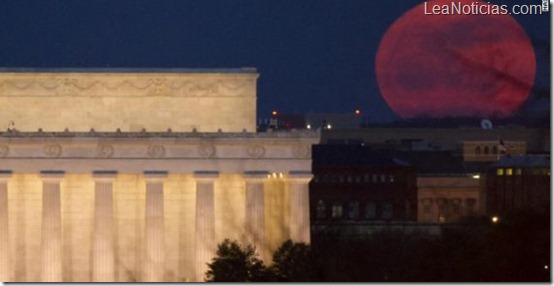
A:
(5, 269)
(205, 221)
(299, 206)
(51, 227)
(255, 220)
(154, 258)
(103, 233)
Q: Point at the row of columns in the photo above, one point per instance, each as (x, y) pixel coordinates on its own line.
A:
(103, 259)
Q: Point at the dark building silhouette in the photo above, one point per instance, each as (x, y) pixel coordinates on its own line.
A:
(519, 183)
(355, 187)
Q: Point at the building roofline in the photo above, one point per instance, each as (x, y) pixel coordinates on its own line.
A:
(243, 70)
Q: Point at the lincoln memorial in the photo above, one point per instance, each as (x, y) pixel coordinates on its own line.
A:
(136, 175)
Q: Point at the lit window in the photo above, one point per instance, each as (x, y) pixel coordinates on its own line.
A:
(518, 172)
(391, 178)
(337, 210)
(509, 172)
(500, 172)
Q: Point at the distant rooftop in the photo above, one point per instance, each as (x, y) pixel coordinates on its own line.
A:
(352, 155)
(245, 70)
(524, 161)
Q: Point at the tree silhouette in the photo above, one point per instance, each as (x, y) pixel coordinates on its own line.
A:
(292, 263)
(235, 264)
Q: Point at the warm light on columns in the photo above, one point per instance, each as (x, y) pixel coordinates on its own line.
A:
(103, 232)
(5, 269)
(154, 250)
(51, 227)
(299, 205)
(205, 221)
(255, 220)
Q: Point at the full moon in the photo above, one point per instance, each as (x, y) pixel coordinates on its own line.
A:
(455, 65)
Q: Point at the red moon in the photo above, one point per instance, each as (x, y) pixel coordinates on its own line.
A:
(455, 65)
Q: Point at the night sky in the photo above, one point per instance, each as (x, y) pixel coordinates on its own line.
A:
(313, 55)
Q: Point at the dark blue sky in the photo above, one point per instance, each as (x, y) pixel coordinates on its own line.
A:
(313, 55)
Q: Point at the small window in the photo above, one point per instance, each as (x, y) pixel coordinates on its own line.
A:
(353, 210)
(509, 172)
(337, 210)
(358, 179)
(383, 178)
(455, 207)
(386, 211)
(442, 209)
(478, 150)
(370, 210)
(366, 178)
(349, 178)
(341, 178)
(494, 149)
(471, 205)
(374, 178)
(321, 209)
(426, 209)
(518, 172)
(391, 178)
(486, 150)
(500, 172)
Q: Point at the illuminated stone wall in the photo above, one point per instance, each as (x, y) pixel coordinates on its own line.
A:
(128, 204)
(129, 100)
(490, 151)
(448, 199)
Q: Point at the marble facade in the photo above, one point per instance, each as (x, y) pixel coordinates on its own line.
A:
(97, 205)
